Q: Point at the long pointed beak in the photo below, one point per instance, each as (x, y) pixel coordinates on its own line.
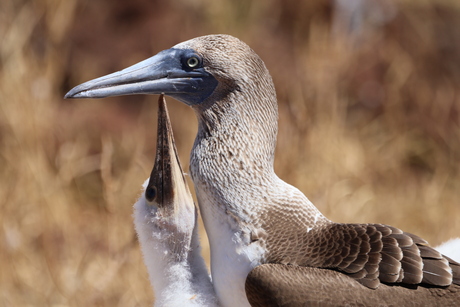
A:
(167, 185)
(164, 73)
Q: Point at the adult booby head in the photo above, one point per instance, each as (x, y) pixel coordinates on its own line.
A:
(251, 216)
(219, 76)
(199, 72)
(165, 219)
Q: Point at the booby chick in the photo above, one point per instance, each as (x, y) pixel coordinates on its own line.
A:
(165, 219)
(251, 216)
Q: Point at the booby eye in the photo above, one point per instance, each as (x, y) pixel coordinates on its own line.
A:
(193, 62)
(151, 193)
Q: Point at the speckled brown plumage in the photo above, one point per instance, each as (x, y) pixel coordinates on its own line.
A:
(286, 285)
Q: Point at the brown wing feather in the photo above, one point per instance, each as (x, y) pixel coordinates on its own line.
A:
(289, 285)
(455, 266)
(374, 253)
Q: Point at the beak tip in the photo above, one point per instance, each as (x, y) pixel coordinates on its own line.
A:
(76, 93)
(72, 94)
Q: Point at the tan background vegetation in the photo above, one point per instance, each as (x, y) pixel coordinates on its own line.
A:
(369, 127)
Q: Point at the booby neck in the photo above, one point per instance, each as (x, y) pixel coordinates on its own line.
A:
(232, 160)
(165, 219)
(242, 110)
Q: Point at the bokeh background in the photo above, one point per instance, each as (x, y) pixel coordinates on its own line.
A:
(369, 100)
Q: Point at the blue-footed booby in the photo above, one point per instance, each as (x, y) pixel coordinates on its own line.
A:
(165, 219)
(251, 216)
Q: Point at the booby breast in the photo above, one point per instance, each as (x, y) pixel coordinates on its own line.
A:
(233, 95)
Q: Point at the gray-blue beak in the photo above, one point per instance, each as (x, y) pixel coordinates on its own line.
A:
(178, 73)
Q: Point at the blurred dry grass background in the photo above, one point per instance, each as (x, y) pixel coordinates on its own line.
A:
(369, 126)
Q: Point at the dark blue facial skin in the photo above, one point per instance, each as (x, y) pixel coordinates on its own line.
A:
(178, 73)
(201, 83)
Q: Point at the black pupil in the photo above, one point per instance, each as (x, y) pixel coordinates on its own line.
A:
(150, 193)
(192, 62)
